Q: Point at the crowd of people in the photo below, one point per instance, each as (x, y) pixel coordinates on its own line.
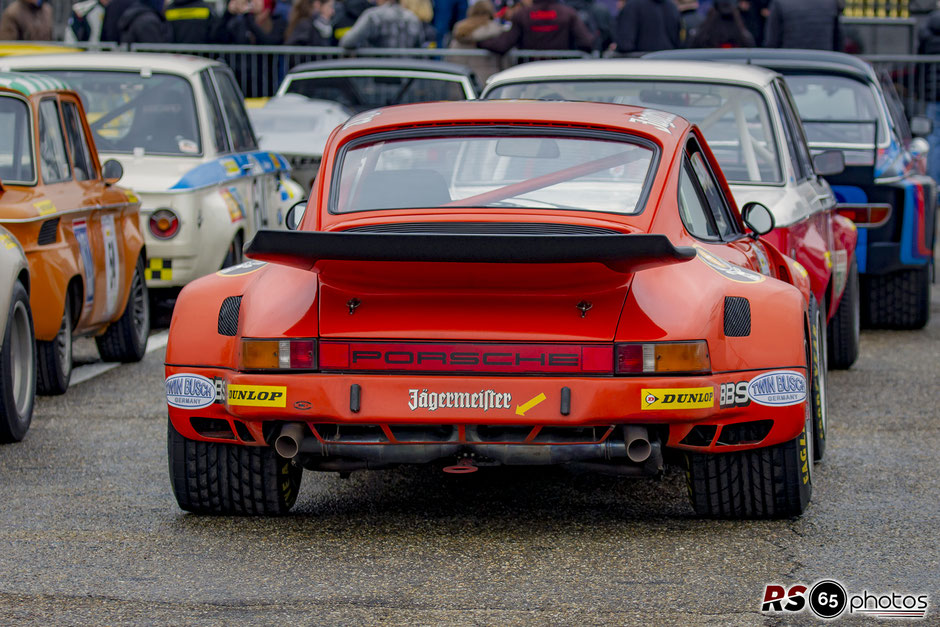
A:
(621, 26)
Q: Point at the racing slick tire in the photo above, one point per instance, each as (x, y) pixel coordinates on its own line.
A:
(54, 358)
(771, 482)
(216, 478)
(899, 300)
(844, 329)
(235, 255)
(17, 369)
(818, 378)
(126, 339)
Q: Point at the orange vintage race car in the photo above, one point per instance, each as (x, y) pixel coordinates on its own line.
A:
(79, 231)
(502, 283)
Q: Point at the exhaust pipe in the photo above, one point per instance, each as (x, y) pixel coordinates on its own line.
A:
(288, 440)
(638, 443)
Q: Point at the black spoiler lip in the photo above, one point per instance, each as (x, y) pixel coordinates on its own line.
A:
(624, 253)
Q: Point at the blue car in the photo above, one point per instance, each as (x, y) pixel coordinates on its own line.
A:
(846, 105)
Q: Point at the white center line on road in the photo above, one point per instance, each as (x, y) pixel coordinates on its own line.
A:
(90, 371)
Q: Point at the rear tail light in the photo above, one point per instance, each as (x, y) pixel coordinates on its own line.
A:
(663, 358)
(164, 224)
(292, 354)
(865, 215)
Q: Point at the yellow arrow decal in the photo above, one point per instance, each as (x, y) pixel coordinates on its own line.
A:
(522, 409)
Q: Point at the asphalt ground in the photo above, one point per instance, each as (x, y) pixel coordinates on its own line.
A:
(90, 532)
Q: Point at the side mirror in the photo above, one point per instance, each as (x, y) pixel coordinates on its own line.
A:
(921, 126)
(295, 214)
(919, 147)
(829, 163)
(112, 171)
(758, 218)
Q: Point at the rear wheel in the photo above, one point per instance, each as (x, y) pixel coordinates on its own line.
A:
(844, 328)
(899, 300)
(54, 359)
(215, 478)
(818, 379)
(17, 369)
(772, 482)
(234, 256)
(126, 339)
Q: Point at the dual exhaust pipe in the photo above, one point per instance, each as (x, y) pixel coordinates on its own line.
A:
(635, 446)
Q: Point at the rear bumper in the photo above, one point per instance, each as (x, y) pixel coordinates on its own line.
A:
(254, 404)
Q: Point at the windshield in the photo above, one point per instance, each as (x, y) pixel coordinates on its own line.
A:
(16, 150)
(837, 110)
(360, 93)
(525, 171)
(127, 111)
(734, 119)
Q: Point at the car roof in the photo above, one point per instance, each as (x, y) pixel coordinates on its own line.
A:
(667, 128)
(777, 58)
(29, 84)
(383, 64)
(603, 68)
(172, 63)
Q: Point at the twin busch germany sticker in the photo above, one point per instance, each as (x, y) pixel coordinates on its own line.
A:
(189, 391)
(778, 388)
(677, 398)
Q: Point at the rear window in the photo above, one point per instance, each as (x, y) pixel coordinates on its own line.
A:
(16, 142)
(735, 119)
(360, 93)
(837, 110)
(468, 171)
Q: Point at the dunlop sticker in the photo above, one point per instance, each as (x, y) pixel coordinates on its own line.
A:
(677, 398)
(257, 395)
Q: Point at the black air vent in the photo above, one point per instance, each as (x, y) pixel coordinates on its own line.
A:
(744, 432)
(737, 316)
(228, 315)
(485, 228)
(48, 232)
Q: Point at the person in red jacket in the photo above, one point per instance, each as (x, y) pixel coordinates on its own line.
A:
(546, 25)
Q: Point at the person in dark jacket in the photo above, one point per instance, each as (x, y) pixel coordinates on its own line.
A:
(26, 20)
(310, 23)
(754, 13)
(691, 18)
(647, 26)
(545, 25)
(251, 22)
(810, 24)
(597, 19)
(112, 13)
(143, 22)
(929, 43)
(192, 21)
(347, 12)
(723, 28)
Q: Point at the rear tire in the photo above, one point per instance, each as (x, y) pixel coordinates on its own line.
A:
(899, 300)
(235, 255)
(844, 329)
(126, 339)
(54, 359)
(17, 369)
(772, 482)
(215, 478)
(818, 379)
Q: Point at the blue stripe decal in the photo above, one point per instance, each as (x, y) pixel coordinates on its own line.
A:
(232, 167)
(855, 195)
(909, 226)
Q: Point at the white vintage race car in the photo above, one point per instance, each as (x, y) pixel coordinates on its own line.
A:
(17, 342)
(178, 126)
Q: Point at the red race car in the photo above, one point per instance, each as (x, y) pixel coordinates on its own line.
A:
(502, 283)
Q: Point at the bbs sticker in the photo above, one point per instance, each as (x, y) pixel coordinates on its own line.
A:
(733, 395)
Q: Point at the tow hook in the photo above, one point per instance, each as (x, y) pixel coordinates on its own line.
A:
(462, 467)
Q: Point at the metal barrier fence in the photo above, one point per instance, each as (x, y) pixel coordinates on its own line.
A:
(260, 69)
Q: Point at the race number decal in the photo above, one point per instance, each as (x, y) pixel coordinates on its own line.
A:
(111, 263)
(80, 229)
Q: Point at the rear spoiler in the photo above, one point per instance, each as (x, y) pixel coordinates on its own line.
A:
(622, 253)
